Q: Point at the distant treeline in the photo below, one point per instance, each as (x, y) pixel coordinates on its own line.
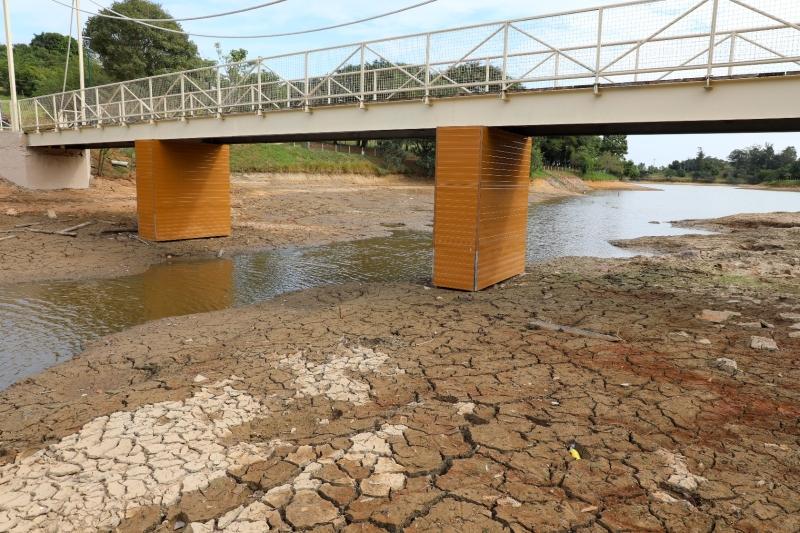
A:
(591, 155)
(756, 164)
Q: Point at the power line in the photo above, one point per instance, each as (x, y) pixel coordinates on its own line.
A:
(265, 36)
(201, 17)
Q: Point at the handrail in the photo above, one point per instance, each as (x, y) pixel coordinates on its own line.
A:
(592, 47)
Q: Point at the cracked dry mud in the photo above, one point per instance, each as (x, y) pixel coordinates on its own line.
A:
(389, 407)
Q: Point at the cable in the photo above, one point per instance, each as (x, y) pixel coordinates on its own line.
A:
(266, 36)
(69, 50)
(202, 17)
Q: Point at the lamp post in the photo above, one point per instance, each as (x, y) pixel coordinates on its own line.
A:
(12, 79)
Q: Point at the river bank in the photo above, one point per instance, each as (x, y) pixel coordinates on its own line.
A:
(269, 211)
(370, 407)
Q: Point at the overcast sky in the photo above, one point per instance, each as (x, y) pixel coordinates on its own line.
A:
(34, 16)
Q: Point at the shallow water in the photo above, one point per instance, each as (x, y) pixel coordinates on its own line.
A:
(46, 323)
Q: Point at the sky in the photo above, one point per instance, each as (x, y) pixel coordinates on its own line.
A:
(29, 17)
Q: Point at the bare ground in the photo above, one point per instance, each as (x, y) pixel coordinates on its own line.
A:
(392, 407)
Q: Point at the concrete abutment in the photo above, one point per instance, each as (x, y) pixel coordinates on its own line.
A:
(42, 168)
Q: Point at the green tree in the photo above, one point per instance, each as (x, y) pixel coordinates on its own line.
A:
(40, 66)
(129, 50)
(616, 145)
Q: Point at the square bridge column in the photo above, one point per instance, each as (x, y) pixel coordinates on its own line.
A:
(481, 206)
(182, 190)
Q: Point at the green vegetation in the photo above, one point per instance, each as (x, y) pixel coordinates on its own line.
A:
(753, 165)
(40, 66)
(593, 157)
(128, 50)
(298, 158)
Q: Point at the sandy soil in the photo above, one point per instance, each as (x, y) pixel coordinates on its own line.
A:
(268, 211)
(393, 407)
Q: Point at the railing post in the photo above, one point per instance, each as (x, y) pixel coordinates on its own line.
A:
(557, 68)
(122, 103)
(599, 50)
(361, 84)
(732, 56)
(329, 91)
(288, 95)
(36, 113)
(427, 98)
(712, 43)
(183, 96)
(219, 93)
(97, 107)
(504, 83)
(260, 96)
(56, 113)
(152, 103)
(636, 64)
(306, 107)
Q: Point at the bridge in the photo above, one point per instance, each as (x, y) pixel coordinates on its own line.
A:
(649, 66)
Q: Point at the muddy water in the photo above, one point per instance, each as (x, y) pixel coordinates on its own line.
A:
(42, 324)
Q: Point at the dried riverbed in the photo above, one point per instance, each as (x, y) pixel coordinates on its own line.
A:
(371, 407)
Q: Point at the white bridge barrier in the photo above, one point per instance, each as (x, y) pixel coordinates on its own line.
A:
(640, 42)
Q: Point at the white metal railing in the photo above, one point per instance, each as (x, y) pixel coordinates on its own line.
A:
(5, 115)
(645, 41)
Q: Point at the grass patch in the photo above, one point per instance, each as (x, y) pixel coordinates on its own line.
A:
(298, 158)
(600, 176)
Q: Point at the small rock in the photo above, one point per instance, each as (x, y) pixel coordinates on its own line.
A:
(663, 497)
(11, 212)
(704, 342)
(465, 408)
(509, 501)
(179, 525)
(794, 317)
(51, 214)
(795, 326)
(728, 365)
(761, 324)
(794, 335)
(200, 378)
(717, 317)
(763, 343)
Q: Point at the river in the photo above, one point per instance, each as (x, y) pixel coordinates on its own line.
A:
(46, 323)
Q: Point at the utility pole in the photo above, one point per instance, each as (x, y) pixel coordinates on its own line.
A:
(12, 79)
(81, 73)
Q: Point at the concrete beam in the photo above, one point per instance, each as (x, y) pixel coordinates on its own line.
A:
(736, 105)
(42, 168)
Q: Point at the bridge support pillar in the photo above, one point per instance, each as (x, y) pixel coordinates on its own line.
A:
(182, 190)
(481, 206)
